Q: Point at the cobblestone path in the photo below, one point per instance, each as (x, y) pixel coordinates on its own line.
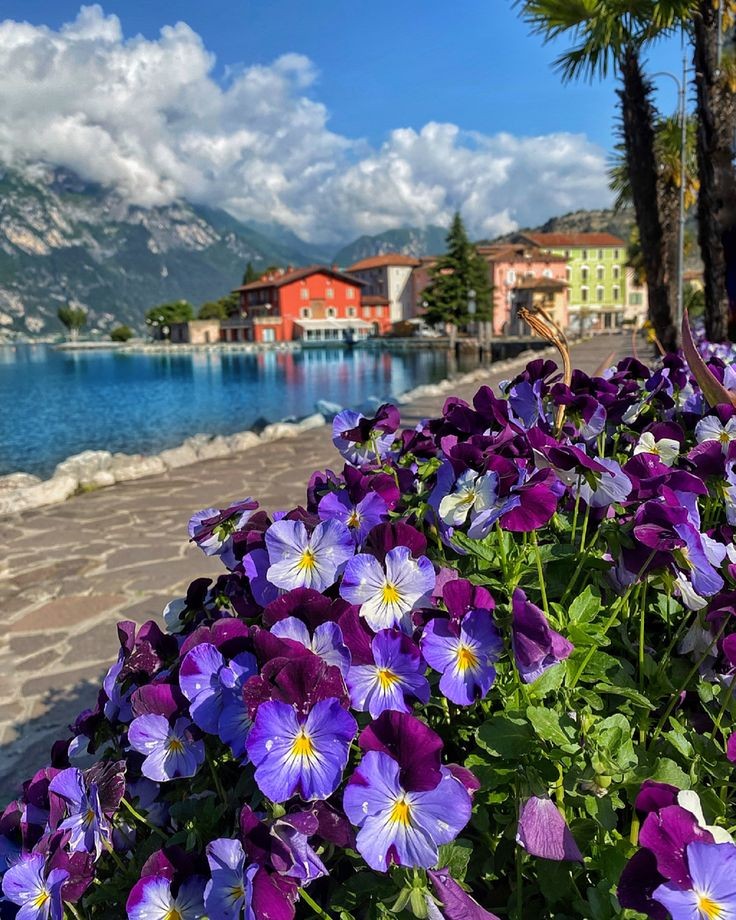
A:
(69, 572)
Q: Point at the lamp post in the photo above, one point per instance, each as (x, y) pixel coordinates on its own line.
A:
(682, 106)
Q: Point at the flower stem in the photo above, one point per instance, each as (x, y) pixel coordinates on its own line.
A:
(216, 779)
(139, 817)
(72, 910)
(540, 571)
(314, 905)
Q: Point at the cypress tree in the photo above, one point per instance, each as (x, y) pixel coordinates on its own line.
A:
(460, 270)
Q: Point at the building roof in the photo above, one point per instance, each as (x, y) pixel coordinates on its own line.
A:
(515, 252)
(557, 240)
(287, 276)
(540, 284)
(374, 300)
(388, 258)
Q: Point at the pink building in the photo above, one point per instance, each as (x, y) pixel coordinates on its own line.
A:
(511, 268)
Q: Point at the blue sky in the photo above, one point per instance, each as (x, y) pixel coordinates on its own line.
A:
(364, 98)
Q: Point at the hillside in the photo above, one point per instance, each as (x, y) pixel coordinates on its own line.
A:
(411, 241)
(66, 240)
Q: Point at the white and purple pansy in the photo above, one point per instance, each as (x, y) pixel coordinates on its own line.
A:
(172, 751)
(152, 898)
(299, 559)
(396, 676)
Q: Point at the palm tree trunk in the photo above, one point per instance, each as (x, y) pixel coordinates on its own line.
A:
(717, 195)
(637, 113)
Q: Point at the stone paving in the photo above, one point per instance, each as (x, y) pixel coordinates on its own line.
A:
(69, 572)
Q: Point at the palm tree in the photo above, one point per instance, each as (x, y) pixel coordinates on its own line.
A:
(608, 36)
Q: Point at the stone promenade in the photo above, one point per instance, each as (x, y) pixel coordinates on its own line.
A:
(69, 572)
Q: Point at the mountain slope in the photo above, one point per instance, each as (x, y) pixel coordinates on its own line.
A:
(411, 241)
(65, 240)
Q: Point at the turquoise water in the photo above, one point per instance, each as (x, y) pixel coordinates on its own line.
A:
(57, 403)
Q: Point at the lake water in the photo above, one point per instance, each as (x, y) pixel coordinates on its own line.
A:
(57, 403)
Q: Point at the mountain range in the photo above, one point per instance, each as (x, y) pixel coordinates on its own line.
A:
(65, 240)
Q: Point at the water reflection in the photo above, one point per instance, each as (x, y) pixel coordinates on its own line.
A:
(54, 403)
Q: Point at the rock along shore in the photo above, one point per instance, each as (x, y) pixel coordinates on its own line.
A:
(95, 469)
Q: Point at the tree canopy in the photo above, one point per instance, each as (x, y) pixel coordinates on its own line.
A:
(73, 318)
(175, 311)
(461, 270)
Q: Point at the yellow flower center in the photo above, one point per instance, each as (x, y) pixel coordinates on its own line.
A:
(401, 813)
(302, 745)
(354, 519)
(386, 678)
(307, 560)
(724, 437)
(709, 909)
(390, 594)
(466, 658)
(89, 817)
(41, 898)
(174, 745)
(469, 497)
(173, 913)
(237, 892)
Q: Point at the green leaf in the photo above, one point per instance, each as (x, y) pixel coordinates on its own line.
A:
(627, 692)
(504, 736)
(455, 858)
(667, 771)
(546, 724)
(585, 607)
(550, 680)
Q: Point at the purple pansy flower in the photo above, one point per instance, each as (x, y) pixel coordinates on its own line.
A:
(464, 655)
(387, 596)
(299, 559)
(400, 827)
(171, 751)
(152, 899)
(397, 672)
(91, 831)
(212, 530)
(612, 485)
(359, 517)
(456, 903)
(543, 832)
(228, 895)
(300, 755)
(711, 428)
(214, 689)
(536, 645)
(361, 440)
(37, 893)
(711, 894)
(326, 642)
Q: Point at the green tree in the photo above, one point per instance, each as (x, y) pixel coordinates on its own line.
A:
(461, 270)
(121, 334)
(213, 309)
(73, 318)
(250, 274)
(175, 311)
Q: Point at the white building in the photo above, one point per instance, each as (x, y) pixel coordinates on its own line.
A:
(636, 309)
(389, 276)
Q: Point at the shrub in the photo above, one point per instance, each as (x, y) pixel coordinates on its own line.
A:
(121, 334)
(488, 667)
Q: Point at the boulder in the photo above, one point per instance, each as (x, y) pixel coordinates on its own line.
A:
(317, 420)
(136, 466)
(327, 408)
(14, 481)
(99, 480)
(214, 448)
(279, 430)
(175, 457)
(85, 465)
(56, 489)
(242, 440)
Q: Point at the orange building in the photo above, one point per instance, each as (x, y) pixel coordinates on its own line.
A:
(313, 304)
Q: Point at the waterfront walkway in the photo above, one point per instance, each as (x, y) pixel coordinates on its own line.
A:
(69, 572)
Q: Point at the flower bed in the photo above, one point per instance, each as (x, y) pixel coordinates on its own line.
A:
(486, 670)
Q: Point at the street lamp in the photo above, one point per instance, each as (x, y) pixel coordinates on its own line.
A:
(682, 106)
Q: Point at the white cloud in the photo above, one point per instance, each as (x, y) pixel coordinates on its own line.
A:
(148, 117)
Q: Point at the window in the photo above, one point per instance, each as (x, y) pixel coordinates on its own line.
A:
(584, 273)
(584, 294)
(636, 299)
(567, 253)
(366, 311)
(329, 292)
(600, 255)
(350, 293)
(568, 272)
(585, 254)
(352, 311)
(305, 313)
(528, 274)
(599, 273)
(616, 272)
(599, 293)
(510, 276)
(304, 293)
(379, 311)
(616, 292)
(331, 312)
(616, 254)
(547, 273)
